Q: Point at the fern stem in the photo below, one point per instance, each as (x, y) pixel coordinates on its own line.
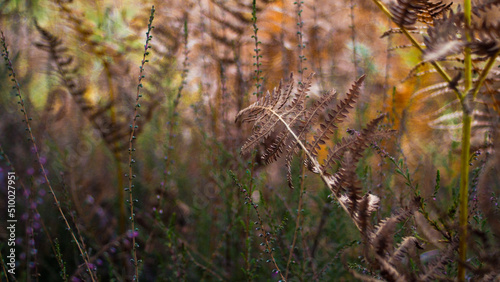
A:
(484, 74)
(466, 136)
(313, 160)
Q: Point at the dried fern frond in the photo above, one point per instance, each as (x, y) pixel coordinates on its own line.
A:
(447, 35)
(486, 16)
(349, 183)
(404, 247)
(433, 12)
(487, 41)
(281, 112)
(58, 54)
(406, 46)
(445, 38)
(397, 30)
(283, 121)
(274, 110)
(357, 143)
(335, 117)
(382, 239)
(407, 12)
(442, 86)
(389, 272)
(110, 131)
(238, 13)
(444, 257)
(431, 234)
(361, 209)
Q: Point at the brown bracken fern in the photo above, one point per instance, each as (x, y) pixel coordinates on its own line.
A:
(282, 120)
(285, 124)
(114, 134)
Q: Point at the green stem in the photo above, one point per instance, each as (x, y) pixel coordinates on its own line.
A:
(484, 74)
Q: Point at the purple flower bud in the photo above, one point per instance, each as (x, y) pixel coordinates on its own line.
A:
(131, 234)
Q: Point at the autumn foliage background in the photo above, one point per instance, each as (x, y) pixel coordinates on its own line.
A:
(192, 220)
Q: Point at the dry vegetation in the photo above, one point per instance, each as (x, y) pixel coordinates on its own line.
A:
(371, 133)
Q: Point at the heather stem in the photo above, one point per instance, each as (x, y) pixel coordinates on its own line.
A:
(131, 148)
(300, 36)
(257, 64)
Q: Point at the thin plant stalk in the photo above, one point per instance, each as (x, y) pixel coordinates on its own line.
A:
(171, 130)
(131, 148)
(284, 58)
(299, 215)
(301, 47)
(266, 235)
(258, 56)
(300, 37)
